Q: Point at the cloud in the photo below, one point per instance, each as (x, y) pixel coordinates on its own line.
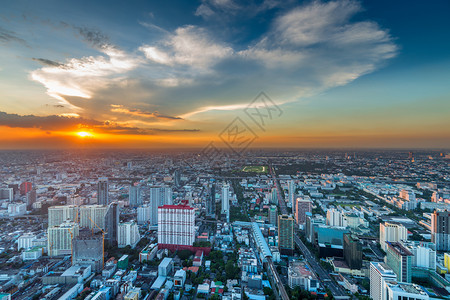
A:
(93, 36)
(7, 36)
(47, 62)
(71, 122)
(139, 113)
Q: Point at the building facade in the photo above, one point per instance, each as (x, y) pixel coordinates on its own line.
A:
(176, 225)
(102, 191)
(286, 234)
(440, 230)
(392, 232)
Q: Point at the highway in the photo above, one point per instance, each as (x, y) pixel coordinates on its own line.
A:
(325, 279)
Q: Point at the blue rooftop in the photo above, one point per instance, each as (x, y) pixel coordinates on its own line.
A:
(260, 240)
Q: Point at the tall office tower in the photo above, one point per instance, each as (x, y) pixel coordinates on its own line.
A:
(273, 215)
(177, 178)
(225, 211)
(312, 223)
(392, 232)
(134, 196)
(112, 223)
(176, 225)
(334, 217)
(211, 201)
(88, 249)
(291, 195)
(60, 238)
(61, 214)
(286, 234)
(159, 196)
(93, 216)
(379, 274)
(304, 206)
(274, 196)
(144, 214)
(440, 230)
(352, 251)
(25, 187)
(102, 191)
(31, 198)
(128, 234)
(399, 259)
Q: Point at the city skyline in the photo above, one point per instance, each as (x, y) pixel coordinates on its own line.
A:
(344, 74)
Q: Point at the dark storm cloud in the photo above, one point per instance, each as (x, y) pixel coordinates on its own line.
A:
(47, 62)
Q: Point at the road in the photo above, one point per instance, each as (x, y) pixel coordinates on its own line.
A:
(325, 279)
(277, 280)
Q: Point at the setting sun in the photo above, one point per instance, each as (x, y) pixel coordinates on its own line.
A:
(84, 134)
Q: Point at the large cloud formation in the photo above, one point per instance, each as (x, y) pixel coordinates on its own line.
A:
(305, 50)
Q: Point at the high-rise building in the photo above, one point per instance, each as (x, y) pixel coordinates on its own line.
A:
(102, 191)
(286, 234)
(176, 225)
(334, 217)
(159, 196)
(424, 254)
(112, 223)
(88, 249)
(128, 234)
(25, 187)
(312, 223)
(274, 196)
(392, 232)
(399, 259)
(25, 241)
(304, 205)
(134, 196)
(291, 195)
(93, 216)
(177, 178)
(144, 214)
(379, 273)
(7, 194)
(440, 230)
(60, 214)
(273, 215)
(225, 211)
(211, 201)
(60, 238)
(352, 251)
(31, 198)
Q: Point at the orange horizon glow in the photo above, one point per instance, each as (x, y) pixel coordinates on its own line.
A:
(84, 134)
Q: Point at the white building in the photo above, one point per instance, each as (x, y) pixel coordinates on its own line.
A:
(61, 214)
(176, 225)
(128, 234)
(144, 214)
(291, 194)
(379, 273)
(226, 201)
(93, 216)
(25, 241)
(299, 274)
(334, 217)
(60, 238)
(392, 232)
(17, 209)
(424, 254)
(397, 290)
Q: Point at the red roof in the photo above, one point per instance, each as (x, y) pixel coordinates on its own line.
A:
(181, 206)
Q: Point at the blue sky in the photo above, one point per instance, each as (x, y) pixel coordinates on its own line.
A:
(347, 73)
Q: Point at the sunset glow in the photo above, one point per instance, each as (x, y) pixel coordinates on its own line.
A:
(84, 134)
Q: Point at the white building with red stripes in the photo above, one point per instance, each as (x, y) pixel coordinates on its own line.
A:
(176, 225)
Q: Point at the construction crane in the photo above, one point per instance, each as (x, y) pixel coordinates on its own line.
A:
(71, 245)
(103, 240)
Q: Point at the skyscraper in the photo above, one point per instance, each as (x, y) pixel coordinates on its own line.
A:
(134, 196)
(440, 230)
(144, 213)
(211, 200)
(60, 214)
(274, 196)
(177, 178)
(60, 238)
(286, 234)
(31, 198)
(102, 191)
(88, 249)
(379, 273)
(93, 216)
(225, 211)
(399, 259)
(392, 232)
(128, 234)
(159, 196)
(291, 195)
(303, 206)
(112, 223)
(176, 226)
(25, 187)
(352, 251)
(273, 215)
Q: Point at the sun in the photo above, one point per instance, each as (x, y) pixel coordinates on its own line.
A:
(84, 134)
